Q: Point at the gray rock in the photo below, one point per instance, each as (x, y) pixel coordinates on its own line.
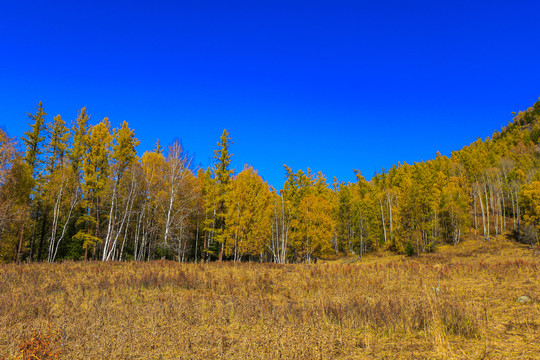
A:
(523, 299)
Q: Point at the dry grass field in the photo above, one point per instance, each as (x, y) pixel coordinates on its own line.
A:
(457, 303)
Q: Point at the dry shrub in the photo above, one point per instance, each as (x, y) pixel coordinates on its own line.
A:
(42, 346)
(404, 313)
(459, 319)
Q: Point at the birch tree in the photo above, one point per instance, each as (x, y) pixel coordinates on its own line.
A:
(123, 156)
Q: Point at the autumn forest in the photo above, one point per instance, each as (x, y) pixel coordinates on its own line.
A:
(73, 190)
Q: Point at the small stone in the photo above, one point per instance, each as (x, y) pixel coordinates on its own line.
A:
(523, 299)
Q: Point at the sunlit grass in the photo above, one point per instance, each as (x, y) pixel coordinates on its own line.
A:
(459, 302)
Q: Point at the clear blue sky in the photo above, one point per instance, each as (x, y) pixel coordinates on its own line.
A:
(332, 85)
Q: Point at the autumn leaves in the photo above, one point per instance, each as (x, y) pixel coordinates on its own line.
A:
(83, 192)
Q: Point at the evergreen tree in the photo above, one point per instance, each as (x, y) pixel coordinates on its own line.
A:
(222, 174)
(79, 132)
(33, 139)
(248, 220)
(96, 176)
(59, 136)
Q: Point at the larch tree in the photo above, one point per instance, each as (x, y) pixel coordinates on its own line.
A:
(222, 173)
(455, 208)
(364, 214)
(530, 203)
(343, 218)
(34, 141)
(199, 216)
(16, 184)
(249, 219)
(19, 187)
(59, 136)
(96, 174)
(315, 226)
(79, 131)
(210, 200)
(312, 220)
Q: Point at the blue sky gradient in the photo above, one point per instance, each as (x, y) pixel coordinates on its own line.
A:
(327, 85)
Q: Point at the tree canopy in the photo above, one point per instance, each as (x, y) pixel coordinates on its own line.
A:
(82, 191)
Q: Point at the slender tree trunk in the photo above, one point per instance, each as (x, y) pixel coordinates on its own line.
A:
(475, 214)
(390, 217)
(284, 233)
(32, 244)
(107, 245)
(518, 210)
(169, 212)
(221, 252)
(197, 238)
(503, 213)
(19, 248)
(125, 236)
(205, 246)
(141, 223)
(360, 230)
(487, 210)
(54, 227)
(513, 210)
(127, 213)
(483, 215)
(42, 234)
(382, 217)
(94, 249)
(275, 235)
(496, 214)
(62, 235)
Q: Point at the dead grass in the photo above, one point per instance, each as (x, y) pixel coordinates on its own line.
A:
(457, 303)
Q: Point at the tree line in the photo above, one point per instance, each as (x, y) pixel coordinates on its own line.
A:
(81, 191)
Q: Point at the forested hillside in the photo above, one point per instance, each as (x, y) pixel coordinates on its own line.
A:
(81, 191)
